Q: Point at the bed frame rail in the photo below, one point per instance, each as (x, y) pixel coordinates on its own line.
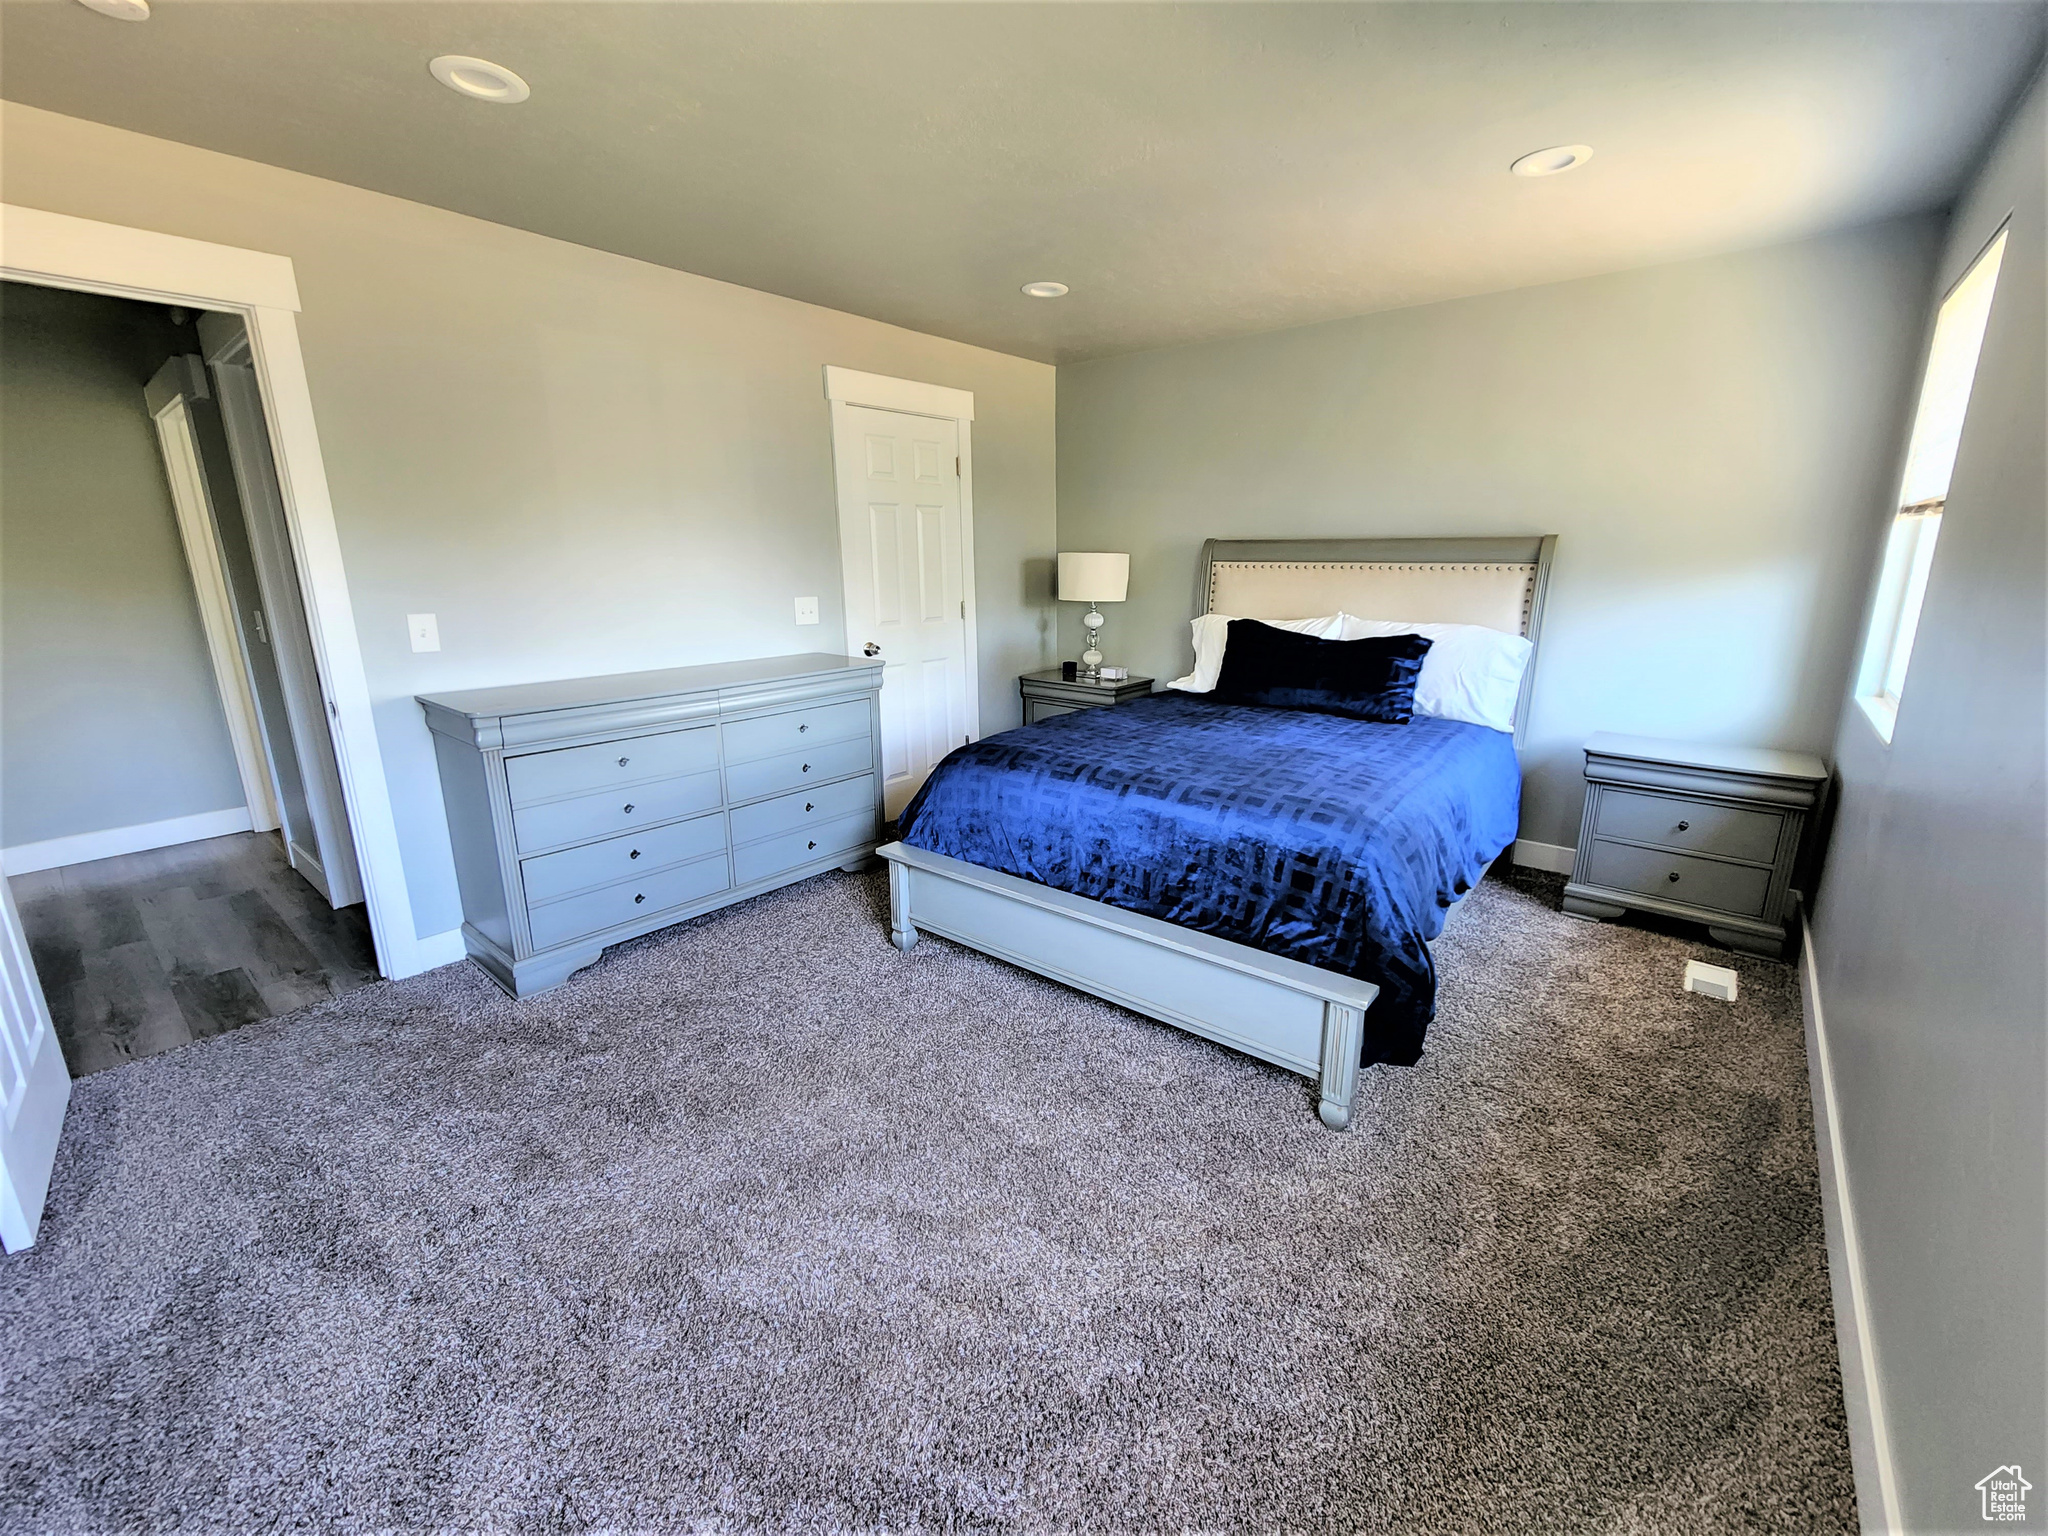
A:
(1307, 1020)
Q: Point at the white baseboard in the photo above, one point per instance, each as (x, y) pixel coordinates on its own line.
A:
(27, 858)
(438, 949)
(1554, 857)
(1877, 1493)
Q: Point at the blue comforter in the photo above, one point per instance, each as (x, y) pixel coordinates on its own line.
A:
(1337, 842)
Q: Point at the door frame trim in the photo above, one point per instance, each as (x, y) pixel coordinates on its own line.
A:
(169, 396)
(55, 250)
(848, 387)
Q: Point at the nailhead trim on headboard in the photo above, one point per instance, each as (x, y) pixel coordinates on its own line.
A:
(1526, 571)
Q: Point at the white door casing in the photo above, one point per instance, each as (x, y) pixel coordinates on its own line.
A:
(907, 574)
(169, 395)
(324, 852)
(59, 251)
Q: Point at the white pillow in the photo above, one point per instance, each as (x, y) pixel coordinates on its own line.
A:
(1470, 672)
(1212, 632)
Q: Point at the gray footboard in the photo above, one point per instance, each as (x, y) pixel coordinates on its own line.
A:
(1293, 1015)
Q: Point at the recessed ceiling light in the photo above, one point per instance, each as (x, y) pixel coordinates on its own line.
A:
(120, 10)
(1045, 290)
(1548, 162)
(479, 78)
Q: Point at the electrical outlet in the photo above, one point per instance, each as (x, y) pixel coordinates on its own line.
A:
(807, 610)
(425, 630)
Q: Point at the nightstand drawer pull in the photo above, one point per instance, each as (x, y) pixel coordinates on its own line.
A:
(1685, 826)
(629, 807)
(638, 899)
(1674, 877)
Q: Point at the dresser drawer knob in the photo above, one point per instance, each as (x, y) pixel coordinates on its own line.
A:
(1674, 877)
(802, 728)
(634, 854)
(629, 807)
(624, 760)
(812, 843)
(807, 767)
(808, 806)
(638, 899)
(1684, 826)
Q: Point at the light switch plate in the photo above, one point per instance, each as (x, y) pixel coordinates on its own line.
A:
(425, 630)
(807, 610)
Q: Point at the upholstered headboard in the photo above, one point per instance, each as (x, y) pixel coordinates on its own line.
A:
(1497, 582)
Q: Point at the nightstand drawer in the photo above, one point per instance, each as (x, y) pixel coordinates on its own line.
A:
(1697, 825)
(1732, 888)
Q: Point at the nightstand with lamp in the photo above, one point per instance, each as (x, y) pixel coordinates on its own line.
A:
(1090, 579)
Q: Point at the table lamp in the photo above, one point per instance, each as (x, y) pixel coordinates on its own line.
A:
(1093, 579)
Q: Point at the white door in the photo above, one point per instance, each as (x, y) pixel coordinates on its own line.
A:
(909, 590)
(34, 1087)
(322, 847)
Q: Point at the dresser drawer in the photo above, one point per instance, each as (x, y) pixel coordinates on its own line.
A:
(805, 808)
(1692, 824)
(617, 810)
(757, 861)
(1732, 888)
(578, 770)
(773, 735)
(573, 917)
(621, 858)
(793, 770)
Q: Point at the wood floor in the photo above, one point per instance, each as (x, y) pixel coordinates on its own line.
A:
(150, 951)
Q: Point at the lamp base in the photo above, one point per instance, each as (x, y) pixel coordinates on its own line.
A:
(1091, 659)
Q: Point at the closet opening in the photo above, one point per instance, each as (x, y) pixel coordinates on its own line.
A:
(172, 822)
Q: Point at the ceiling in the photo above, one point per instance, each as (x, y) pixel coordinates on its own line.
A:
(1192, 171)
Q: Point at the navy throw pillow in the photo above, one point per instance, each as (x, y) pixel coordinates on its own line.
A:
(1371, 679)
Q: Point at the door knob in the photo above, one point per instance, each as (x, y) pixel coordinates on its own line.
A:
(871, 649)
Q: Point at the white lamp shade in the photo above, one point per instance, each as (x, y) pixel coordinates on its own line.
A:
(1094, 578)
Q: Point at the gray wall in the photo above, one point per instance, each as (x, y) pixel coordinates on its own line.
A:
(109, 714)
(580, 462)
(1706, 438)
(1932, 920)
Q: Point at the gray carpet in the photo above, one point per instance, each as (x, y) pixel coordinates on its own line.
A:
(760, 1224)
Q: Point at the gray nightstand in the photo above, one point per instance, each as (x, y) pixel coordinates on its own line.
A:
(1046, 695)
(1705, 833)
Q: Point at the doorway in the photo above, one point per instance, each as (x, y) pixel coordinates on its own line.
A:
(147, 765)
(902, 462)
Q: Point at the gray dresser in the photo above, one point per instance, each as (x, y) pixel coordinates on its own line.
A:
(589, 811)
(1711, 834)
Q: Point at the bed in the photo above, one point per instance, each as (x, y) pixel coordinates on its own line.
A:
(1267, 878)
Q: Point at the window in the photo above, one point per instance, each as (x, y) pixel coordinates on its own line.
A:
(1930, 460)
